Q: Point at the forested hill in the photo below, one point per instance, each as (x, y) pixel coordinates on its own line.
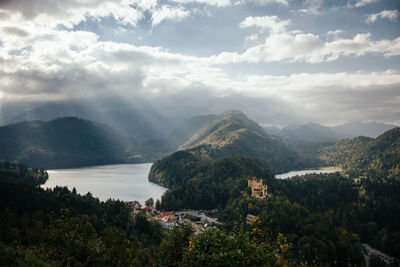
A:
(230, 134)
(362, 155)
(65, 142)
(22, 174)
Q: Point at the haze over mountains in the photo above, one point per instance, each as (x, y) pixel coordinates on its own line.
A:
(145, 124)
(314, 132)
(139, 136)
(141, 124)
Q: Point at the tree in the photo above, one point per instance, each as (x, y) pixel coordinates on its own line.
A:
(173, 245)
(149, 202)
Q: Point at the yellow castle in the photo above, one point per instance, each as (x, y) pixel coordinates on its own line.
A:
(258, 189)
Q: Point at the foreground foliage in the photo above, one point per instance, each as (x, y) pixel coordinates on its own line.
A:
(62, 228)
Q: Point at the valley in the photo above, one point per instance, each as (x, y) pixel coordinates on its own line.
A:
(309, 214)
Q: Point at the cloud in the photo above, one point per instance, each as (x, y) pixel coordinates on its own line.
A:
(391, 15)
(168, 13)
(70, 12)
(310, 48)
(42, 61)
(105, 71)
(226, 3)
(334, 34)
(218, 3)
(15, 31)
(145, 4)
(263, 2)
(311, 7)
(361, 3)
(310, 11)
(273, 23)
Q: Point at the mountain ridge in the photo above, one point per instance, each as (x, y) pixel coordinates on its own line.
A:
(65, 142)
(230, 134)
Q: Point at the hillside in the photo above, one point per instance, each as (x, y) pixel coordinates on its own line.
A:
(380, 156)
(210, 185)
(65, 142)
(230, 134)
(21, 174)
(233, 134)
(310, 132)
(181, 134)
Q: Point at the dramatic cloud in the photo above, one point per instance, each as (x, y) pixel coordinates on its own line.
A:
(391, 15)
(70, 12)
(232, 54)
(310, 48)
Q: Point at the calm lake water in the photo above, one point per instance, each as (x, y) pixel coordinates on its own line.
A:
(303, 172)
(120, 181)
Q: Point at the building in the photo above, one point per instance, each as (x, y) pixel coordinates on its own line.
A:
(258, 189)
(167, 219)
(135, 204)
(136, 207)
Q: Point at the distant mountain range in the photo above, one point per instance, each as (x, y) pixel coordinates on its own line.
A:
(70, 141)
(313, 132)
(142, 125)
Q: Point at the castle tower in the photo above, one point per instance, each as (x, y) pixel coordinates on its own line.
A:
(258, 189)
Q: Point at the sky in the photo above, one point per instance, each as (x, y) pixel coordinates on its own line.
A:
(279, 61)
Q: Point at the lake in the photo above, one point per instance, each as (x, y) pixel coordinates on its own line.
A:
(303, 172)
(119, 181)
(123, 181)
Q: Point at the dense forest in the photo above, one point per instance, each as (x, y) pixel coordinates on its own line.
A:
(325, 217)
(379, 157)
(22, 174)
(313, 220)
(62, 228)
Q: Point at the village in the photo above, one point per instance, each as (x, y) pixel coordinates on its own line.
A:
(199, 220)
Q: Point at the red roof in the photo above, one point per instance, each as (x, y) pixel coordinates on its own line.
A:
(149, 208)
(134, 203)
(165, 214)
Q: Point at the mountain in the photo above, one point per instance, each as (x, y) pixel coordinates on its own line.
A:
(310, 132)
(272, 130)
(65, 142)
(230, 134)
(224, 128)
(181, 134)
(370, 129)
(313, 132)
(341, 152)
(142, 125)
(378, 157)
